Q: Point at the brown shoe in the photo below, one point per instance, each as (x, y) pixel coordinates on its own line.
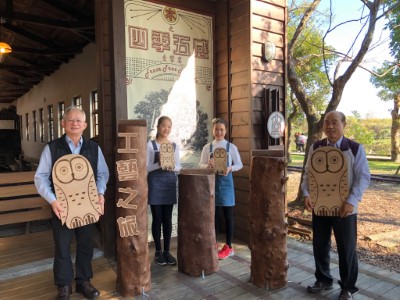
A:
(345, 295)
(64, 292)
(87, 290)
(319, 286)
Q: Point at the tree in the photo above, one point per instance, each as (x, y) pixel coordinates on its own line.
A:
(388, 78)
(150, 107)
(390, 84)
(338, 72)
(309, 65)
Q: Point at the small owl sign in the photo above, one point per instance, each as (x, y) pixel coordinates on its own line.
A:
(75, 188)
(220, 160)
(329, 180)
(167, 158)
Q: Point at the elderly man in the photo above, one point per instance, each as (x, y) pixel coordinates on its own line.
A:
(74, 123)
(345, 225)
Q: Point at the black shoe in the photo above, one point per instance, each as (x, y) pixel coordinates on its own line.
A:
(345, 295)
(169, 258)
(87, 290)
(159, 258)
(64, 292)
(319, 286)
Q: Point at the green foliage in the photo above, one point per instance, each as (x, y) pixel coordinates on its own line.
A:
(389, 83)
(354, 130)
(309, 57)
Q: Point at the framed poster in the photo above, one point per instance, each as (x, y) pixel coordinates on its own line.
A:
(169, 66)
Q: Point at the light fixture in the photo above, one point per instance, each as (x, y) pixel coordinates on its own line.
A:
(268, 51)
(4, 47)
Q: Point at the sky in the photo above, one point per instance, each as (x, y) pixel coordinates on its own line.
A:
(359, 94)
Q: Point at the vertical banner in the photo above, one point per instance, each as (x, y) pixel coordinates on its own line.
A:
(169, 66)
(133, 272)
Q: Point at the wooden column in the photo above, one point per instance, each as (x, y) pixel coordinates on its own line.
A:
(197, 254)
(268, 228)
(133, 273)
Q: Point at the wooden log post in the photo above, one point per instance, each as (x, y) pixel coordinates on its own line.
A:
(268, 228)
(133, 265)
(197, 254)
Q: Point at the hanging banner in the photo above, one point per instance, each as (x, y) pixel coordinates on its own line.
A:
(169, 66)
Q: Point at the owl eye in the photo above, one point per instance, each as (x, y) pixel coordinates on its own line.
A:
(222, 153)
(80, 167)
(170, 148)
(62, 170)
(335, 160)
(164, 147)
(319, 161)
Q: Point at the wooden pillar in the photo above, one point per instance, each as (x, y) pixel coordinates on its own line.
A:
(268, 228)
(133, 273)
(197, 254)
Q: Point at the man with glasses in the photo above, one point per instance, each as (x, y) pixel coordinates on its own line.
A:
(72, 142)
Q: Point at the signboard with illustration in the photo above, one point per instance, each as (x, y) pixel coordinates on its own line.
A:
(169, 66)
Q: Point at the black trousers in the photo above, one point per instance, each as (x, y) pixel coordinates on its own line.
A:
(345, 232)
(63, 267)
(229, 222)
(162, 217)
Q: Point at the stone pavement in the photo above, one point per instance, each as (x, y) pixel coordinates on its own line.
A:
(232, 281)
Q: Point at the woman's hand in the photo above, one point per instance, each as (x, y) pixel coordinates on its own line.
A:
(211, 163)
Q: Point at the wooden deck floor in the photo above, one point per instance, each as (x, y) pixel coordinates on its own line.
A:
(19, 256)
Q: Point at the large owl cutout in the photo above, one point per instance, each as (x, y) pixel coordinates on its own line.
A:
(167, 158)
(328, 180)
(220, 161)
(75, 188)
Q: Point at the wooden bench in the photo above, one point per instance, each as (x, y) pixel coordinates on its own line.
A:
(19, 200)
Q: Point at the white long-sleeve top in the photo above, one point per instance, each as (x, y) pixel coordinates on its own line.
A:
(233, 157)
(151, 166)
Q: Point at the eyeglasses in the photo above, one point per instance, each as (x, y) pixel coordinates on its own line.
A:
(75, 121)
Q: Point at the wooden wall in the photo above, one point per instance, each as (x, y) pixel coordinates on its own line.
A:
(241, 26)
(241, 80)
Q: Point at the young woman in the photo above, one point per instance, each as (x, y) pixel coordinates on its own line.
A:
(162, 193)
(224, 189)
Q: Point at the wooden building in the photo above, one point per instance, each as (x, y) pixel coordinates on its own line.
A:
(246, 87)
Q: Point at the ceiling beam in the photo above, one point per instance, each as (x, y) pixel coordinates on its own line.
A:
(37, 20)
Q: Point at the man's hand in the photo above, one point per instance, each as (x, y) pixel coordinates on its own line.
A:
(101, 202)
(55, 205)
(346, 210)
(308, 204)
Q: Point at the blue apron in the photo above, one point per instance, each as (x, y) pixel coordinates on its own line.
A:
(224, 189)
(162, 184)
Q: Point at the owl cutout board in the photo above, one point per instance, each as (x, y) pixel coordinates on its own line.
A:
(75, 188)
(167, 157)
(220, 161)
(328, 180)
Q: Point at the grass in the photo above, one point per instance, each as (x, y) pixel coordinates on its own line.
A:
(375, 166)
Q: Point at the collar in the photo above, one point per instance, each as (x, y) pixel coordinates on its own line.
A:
(69, 141)
(337, 144)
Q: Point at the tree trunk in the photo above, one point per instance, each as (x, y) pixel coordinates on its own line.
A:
(197, 253)
(395, 132)
(133, 265)
(268, 228)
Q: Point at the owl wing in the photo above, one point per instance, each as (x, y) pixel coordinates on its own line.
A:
(313, 189)
(62, 198)
(94, 196)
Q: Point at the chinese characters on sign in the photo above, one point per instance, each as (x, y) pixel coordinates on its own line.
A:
(127, 170)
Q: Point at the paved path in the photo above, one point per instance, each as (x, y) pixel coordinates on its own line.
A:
(232, 281)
